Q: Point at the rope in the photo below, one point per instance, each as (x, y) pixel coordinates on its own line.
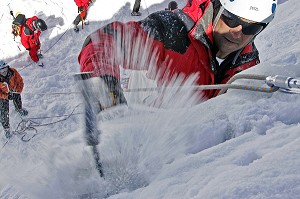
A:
(4, 144)
(58, 39)
(54, 93)
(29, 125)
(47, 117)
(223, 87)
(243, 76)
(147, 8)
(23, 126)
(3, 12)
(209, 87)
(25, 66)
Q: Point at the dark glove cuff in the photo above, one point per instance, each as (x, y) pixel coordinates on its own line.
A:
(80, 9)
(10, 96)
(114, 87)
(111, 82)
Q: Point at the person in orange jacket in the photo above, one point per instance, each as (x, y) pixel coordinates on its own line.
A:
(30, 33)
(82, 10)
(11, 86)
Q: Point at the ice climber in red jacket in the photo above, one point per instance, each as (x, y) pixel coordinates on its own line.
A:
(82, 10)
(30, 33)
(209, 39)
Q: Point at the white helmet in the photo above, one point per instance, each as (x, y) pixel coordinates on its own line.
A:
(261, 11)
(2, 64)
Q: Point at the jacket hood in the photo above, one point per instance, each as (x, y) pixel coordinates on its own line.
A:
(194, 9)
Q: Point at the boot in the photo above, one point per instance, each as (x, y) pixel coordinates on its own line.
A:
(22, 112)
(7, 133)
(40, 63)
(136, 13)
(75, 28)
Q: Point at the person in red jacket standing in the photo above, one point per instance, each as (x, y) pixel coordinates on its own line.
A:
(30, 33)
(82, 10)
(208, 40)
(11, 86)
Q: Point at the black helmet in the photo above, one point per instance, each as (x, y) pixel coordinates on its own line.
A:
(40, 24)
(172, 5)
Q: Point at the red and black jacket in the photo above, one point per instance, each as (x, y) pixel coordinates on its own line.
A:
(168, 45)
(30, 36)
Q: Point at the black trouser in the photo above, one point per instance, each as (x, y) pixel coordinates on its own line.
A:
(136, 6)
(4, 110)
(77, 20)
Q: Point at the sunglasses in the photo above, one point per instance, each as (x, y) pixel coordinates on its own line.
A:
(233, 21)
(3, 70)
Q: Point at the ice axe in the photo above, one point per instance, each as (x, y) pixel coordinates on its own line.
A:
(91, 131)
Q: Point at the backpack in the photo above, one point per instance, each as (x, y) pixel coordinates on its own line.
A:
(17, 24)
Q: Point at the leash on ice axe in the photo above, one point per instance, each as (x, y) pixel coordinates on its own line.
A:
(274, 83)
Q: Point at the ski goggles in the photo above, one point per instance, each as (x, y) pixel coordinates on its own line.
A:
(232, 21)
(3, 70)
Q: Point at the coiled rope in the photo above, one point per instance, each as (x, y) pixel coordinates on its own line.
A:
(28, 124)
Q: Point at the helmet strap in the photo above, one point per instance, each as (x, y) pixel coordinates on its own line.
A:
(218, 16)
(34, 25)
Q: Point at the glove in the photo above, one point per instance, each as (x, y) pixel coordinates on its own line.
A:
(12, 96)
(37, 42)
(101, 92)
(104, 92)
(80, 9)
(115, 89)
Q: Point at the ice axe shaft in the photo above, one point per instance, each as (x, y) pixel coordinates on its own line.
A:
(97, 161)
(91, 131)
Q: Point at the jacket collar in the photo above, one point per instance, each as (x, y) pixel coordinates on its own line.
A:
(201, 12)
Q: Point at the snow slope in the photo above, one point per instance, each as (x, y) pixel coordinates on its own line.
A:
(239, 145)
